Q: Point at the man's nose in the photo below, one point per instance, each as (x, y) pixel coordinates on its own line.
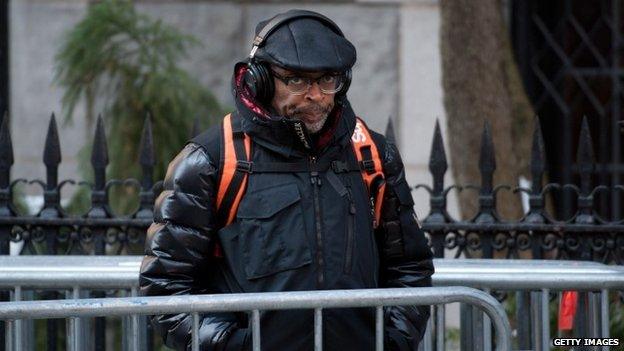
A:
(314, 92)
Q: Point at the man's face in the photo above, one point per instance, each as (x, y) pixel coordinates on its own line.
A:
(312, 107)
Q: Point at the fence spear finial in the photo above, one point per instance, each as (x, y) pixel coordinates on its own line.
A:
(52, 149)
(585, 156)
(146, 159)
(538, 157)
(99, 154)
(437, 160)
(390, 136)
(487, 160)
(146, 153)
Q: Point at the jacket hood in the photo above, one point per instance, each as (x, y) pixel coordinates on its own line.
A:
(284, 135)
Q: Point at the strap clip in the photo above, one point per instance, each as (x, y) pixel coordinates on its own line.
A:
(339, 167)
(368, 166)
(244, 166)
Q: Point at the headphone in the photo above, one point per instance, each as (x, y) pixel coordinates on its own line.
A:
(258, 76)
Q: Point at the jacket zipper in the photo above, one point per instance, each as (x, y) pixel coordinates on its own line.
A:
(316, 183)
(350, 225)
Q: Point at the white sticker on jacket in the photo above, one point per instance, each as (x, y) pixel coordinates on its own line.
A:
(358, 136)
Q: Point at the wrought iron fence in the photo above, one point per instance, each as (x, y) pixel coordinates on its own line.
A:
(585, 235)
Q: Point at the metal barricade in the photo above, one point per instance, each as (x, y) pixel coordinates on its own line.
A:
(256, 302)
(538, 278)
(75, 277)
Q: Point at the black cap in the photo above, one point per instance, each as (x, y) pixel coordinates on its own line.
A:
(306, 43)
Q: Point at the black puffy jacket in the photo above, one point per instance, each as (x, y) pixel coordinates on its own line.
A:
(289, 234)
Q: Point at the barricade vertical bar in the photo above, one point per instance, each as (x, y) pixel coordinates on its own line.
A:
(487, 330)
(126, 328)
(379, 328)
(70, 330)
(440, 327)
(318, 329)
(535, 317)
(78, 323)
(9, 337)
(477, 328)
(466, 337)
(604, 315)
(593, 315)
(255, 329)
(523, 320)
(71, 334)
(545, 317)
(134, 321)
(428, 337)
(18, 330)
(195, 332)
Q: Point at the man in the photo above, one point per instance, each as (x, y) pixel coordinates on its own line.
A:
(293, 211)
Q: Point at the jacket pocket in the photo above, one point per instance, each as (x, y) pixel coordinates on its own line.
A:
(272, 231)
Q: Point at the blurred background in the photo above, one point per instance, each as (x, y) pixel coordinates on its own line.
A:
(465, 64)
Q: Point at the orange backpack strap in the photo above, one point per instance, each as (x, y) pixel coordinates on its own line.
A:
(371, 166)
(236, 155)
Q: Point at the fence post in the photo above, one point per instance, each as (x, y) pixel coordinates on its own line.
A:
(6, 162)
(51, 210)
(437, 167)
(535, 216)
(585, 161)
(99, 202)
(146, 207)
(6, 209)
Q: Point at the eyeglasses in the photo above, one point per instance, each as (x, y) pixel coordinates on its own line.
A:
(328, 83)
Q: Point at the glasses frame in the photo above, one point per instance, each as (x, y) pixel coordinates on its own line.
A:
(286, 81)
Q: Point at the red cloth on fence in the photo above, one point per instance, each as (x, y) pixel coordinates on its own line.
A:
(567, 310)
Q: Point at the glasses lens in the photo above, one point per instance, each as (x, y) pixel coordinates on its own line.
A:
(297, 85)
(327, 83)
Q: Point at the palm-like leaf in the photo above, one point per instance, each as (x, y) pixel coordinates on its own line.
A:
(129, 64)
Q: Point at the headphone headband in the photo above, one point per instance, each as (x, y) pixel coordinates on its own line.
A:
(276, 21)
(258, 77)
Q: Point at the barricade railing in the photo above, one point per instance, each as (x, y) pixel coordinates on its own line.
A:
(257, 302)
(537, 278)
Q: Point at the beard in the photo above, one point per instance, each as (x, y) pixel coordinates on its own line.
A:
(304, 114)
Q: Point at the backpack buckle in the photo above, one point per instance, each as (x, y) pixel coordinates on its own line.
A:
(244, 166)
(368, 166)
(339, 167)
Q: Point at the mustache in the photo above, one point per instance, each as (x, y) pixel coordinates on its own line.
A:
(313, 108)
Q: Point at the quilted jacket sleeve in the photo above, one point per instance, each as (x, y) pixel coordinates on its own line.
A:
(405, 254)
(178, 251)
